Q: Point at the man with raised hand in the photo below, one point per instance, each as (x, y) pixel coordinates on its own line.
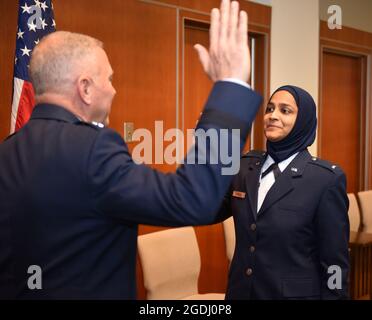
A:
(71, 196)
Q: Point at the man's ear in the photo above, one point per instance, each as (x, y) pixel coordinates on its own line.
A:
(85, 89)
(107, 121)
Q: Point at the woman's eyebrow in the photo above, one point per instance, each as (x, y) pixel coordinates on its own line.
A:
(286, 105)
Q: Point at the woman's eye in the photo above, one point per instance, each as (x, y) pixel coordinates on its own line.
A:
(286, 111)
(269, 109)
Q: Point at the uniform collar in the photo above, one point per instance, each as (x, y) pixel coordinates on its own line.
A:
(295, 163)
(282, 164)
(55, 112)
(298, 164)
(284, 184)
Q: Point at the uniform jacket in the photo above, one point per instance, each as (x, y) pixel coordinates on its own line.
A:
(71, 198)
(286, 250)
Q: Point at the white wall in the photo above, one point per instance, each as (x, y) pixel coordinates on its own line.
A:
(356, 14)
(295, 39)
(295, 46)
(264, 2)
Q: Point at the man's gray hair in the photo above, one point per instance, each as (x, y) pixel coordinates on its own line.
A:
(56, 59)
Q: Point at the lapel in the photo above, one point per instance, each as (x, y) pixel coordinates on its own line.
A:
(252, 178)
(283, 185)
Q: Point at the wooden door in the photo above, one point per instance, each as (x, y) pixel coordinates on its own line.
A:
(341, 115)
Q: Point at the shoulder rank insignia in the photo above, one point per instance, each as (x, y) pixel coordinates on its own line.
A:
(98, 124)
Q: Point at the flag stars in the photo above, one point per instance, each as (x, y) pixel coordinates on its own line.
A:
(20, 34)
(26, 8)
(31, 26)
(44, 6)
(43, 24)
(35, 20)
(25, 51)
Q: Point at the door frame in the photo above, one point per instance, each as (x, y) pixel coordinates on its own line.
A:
(355, 43)
(261, 35)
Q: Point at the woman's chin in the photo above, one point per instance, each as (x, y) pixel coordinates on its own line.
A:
(273, 138)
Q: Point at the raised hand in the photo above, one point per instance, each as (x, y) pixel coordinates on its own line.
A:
(228, 55)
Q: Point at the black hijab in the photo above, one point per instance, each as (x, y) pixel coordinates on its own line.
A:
(303, 132)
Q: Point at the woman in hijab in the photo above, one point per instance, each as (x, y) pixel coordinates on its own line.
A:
(290, 211)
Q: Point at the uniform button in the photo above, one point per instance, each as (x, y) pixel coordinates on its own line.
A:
(253, 227)
(252, 249)
(249, 272)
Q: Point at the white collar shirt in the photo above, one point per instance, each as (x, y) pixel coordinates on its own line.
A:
(267, 182)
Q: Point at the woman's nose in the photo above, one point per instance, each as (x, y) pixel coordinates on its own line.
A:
(274, 114)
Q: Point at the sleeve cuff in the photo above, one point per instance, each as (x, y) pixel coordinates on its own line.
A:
(237, 81)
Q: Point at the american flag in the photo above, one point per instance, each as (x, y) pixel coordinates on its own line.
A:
(35, 20)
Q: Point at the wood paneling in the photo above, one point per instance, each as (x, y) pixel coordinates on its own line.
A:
(346, 35)
(258, 14)
(9, 11)
(143, 56)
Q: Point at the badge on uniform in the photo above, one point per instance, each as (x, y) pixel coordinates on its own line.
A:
(238, 194)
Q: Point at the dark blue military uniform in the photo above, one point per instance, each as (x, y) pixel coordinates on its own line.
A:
(71, 198)
(302, 228)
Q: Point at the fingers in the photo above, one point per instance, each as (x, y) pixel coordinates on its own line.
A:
(242, 36)
(224, 20)
(233, 21)
(228, 55)
(214, 29)
(203, 57)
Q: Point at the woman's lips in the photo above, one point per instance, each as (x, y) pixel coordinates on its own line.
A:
(272, 126)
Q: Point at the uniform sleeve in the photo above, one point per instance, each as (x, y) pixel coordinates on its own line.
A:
(224, 211)
(190, 196)
(333, 235)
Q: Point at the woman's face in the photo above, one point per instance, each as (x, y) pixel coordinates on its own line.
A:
(280, 116)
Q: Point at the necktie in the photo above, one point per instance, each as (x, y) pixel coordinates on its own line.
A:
(274, 167)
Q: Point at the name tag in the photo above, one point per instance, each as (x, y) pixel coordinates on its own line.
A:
(238, 194)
